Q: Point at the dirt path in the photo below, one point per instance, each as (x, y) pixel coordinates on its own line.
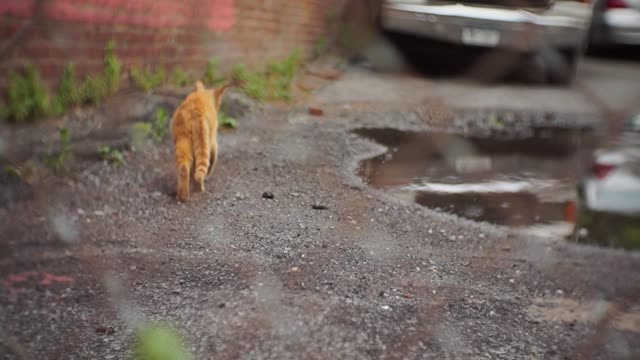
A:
(84, 259)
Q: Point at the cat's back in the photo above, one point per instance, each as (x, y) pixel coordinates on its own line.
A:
(194, 108)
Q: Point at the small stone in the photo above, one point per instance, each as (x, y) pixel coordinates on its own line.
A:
(222, 305)
(267, 195)
(294, 269)
(176, 292)
(98, 213)
(315, 111)
(133, 268)
(385, 307)
(107, 330)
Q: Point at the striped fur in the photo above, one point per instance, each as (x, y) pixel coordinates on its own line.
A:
(194, 128)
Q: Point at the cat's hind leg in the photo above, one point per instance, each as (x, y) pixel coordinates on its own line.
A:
(183, 162)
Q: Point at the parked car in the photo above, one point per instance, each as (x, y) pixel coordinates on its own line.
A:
(608, 207)
(615, 22)
(547, 31)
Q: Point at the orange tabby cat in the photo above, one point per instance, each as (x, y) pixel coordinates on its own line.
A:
(194, 128)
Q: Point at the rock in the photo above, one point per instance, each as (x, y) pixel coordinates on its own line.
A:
(267, 195)
(237, 105)
(315, 111)
(107, 330)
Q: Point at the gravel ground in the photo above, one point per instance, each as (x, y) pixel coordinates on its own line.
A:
(326, 269)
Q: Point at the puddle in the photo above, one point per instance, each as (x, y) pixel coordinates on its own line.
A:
(524, 179)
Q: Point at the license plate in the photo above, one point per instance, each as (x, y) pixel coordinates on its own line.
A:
(480, 37)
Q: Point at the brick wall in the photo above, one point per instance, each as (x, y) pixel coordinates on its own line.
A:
(52, 33)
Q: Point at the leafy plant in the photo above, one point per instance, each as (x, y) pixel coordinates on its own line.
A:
(282, 74)
(140, 132)
(156, 129)
(95, 89)
(26, 96)
(158, 342)
(12, 171)
(210, 77)
(179, 77)
(160, 125)
(272, 83)
(58, 161)
(112, 155)
(112, 67)
(255, 85)
(147, 79)
(227, 121)
(239, 73)
(69, 91)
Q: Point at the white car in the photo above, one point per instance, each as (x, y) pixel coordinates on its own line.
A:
(608, 209)
(553, 32)
(616, 22)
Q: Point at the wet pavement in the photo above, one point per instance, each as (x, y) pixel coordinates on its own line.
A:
(517, 179)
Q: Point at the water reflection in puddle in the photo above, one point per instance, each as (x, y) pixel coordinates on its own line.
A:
(521, 179)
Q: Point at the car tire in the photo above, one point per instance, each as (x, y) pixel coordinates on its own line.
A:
(548, 66)
(561, 67)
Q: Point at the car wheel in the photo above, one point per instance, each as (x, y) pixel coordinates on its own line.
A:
(561, 67)
(548, 66)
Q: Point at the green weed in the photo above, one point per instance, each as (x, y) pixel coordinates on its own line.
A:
(140, 132)
(210, 77)
(69, 91)
(58, 161)
(12, 171)
(273, 83)
(160, 125)
(255, 85)
(239, 73)
(94, 89)
(227, 121)
(156, 129)
(180, 78)
(112, 68)
(147, 79)
(27, 98)
(111, 155)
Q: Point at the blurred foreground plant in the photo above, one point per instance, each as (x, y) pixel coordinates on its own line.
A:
(160, 342)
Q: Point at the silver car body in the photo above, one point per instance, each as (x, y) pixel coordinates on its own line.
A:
(619, 190)
(563, 24)
(618, 26)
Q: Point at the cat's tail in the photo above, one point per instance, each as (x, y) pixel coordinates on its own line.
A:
(201, 148)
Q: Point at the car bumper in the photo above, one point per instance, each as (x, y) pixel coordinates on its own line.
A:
(489, 27)
(622, 26)
(594, 195)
